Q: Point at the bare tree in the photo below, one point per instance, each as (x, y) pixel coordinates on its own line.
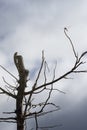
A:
(26, 108)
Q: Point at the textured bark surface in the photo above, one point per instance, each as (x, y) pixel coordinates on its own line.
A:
(20, 95)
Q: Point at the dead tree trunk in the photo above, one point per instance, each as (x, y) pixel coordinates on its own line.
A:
(23, 73)
(26, 107)
(19, 106)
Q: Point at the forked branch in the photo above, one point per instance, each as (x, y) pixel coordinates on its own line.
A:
(26, 108)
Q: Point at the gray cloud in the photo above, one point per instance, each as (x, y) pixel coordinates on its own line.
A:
(74, 118)
(31, 26)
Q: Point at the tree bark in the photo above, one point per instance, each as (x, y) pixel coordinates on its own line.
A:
(23, 73)
(19, 107)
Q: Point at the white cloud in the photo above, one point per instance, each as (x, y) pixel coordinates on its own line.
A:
(31, 26)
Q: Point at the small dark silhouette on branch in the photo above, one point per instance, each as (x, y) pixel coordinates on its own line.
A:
(25, 107)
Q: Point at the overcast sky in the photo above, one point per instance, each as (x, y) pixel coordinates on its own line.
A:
(30, 26)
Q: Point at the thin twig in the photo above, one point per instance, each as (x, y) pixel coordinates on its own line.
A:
(50, 126)
(36, 121)
(33, 88)
(7, 93)
(8, 72)
(65, 29)
(10, 86)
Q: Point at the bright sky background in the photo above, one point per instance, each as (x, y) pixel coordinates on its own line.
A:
(30, 26)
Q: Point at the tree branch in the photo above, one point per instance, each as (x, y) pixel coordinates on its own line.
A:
(7, 93)
(8, 72)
